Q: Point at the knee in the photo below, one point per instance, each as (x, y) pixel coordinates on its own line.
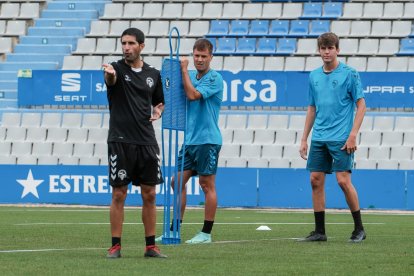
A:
(148, 196)
(316, 181)
(119, 195)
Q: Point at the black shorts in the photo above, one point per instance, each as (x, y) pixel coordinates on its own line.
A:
(138, 164)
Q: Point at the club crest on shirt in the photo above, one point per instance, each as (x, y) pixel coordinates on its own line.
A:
(127, 78)
(334, 83)
(150, 82)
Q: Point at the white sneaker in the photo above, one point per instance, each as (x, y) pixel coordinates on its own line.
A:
(200, 238)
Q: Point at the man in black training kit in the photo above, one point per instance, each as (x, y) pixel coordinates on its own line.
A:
(135, 99)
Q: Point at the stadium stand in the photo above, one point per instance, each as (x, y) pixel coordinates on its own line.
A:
(248, 35)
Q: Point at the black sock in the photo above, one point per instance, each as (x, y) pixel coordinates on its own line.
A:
(357, 220)
(320, 222)
(150, 240)
(116, 240)
(208, 225)
(172, 224)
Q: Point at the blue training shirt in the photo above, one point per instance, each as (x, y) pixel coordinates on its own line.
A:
(334, 96)
(203, 114)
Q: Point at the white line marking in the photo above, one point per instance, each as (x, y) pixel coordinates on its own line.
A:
(48, 250)
(196, 223)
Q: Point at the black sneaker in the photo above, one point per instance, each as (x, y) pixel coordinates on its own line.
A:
(314, 236)
(154, 252)
(358, 236)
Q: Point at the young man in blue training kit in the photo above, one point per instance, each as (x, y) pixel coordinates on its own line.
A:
(204, 90)
(334, 91)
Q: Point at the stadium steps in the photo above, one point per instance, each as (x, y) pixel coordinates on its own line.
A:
(53, 35)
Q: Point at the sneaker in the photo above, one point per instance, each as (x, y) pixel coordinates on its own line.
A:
(357, 236)
(114, 251)
(314, 236)
(200, 238)
(159, 239)
(152, 251)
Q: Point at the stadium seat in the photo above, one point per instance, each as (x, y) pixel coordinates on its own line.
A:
(26, 160)
(113, 11)
(243, 136)
(172, 11)
(291, 10)
(31, 119)
(56, 134)
(406, 46)
(42, 149)
(332, 10)
(82, 149)
(246, 46)
(259, 27)
(71, 120)
(72, 63)
(99, 28)
(278, 121)
(264, 136)
(312, 63)
(349, 46)
(236, 121)
(47, 160)
(368, 46)
(341, 28)
(404, 123)
(279, 28)
(370, 138)
(219, 28)
(358, 63)
(290, 151)
(212, 10)
(16, 28)
(198, 27)
(250, 151)
(408, 10)
(92, 63)
(233, 63)
(192, 10)
(51, 119)
(409, 138)
(286, 46)
(299, 28)
(373, 10)
(159, 28)
(253, 63)
(257, 163)
(366, 164)
(230, 150)
(397, 64)
(392, 138)
(152, 10)
(401, 28)
(7, 160)
(15, 133)
(89, 160)
(68, 160)
(381, 28)
(360, 28)
(101, 150)
(226, 45)
(12, 119)
(10, 10)
(117, 27)
(77, 135)
(379, 153)
(377, 64)
(132, 10)
(239, 27)
(312, 10)
(319, 27)
(279, 163)
(307, 46)
(36, 134)
(86, 45)
(29, 11)
(227, 136)
(236, 162)
(285, 137)
(383, 123)
(352, 10)
(257, 121)
(232, 10)
(217, 63)
(21, 148)
(6, 45)
(298, 163)
(143, 25)
(276, 63)
(297, 122)
(266, 46)
(388, 46)
(295, 63)
(272, 10)
(105, 45)
(252, 10)
(183, 27)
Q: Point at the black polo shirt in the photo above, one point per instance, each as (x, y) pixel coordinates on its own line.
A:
(130, 100)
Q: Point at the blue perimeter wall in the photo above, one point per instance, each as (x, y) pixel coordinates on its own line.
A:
(236, 187)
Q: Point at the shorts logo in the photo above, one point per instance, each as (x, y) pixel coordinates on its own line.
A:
(112, 162)
(122, 174)
(150, 82)
(167, 83)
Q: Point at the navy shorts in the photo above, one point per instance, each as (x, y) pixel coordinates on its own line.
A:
(201, 159)
(139, 164)
(328, 157)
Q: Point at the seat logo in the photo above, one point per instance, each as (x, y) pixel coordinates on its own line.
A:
(71, 82)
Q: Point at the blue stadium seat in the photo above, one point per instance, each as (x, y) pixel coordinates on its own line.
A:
(259, 27)
(239, 27)
(219, 28)
(286, 46)
(332, 10)
(319, 27)
(299, 28)
(226, 45)
(279, 28)
(266, 46)
(312, 10)
(406, 46)
(246, 46)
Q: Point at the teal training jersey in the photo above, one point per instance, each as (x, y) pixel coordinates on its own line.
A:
(203, 114)
(334, 96)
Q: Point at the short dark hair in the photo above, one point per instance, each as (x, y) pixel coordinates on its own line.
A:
(202, 44)
(328, 39)
(139, 35)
